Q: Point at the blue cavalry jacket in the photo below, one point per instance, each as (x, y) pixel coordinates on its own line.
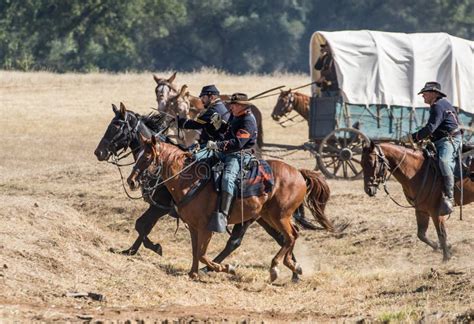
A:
(209, 132)
(241, 133)
(442, 122)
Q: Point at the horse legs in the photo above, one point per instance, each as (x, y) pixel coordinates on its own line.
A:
(287, 229)
(235, 239)
(193, 274)
(203, 239)
(143, 226)
(280, 239)
(439, 222)
(423, 220)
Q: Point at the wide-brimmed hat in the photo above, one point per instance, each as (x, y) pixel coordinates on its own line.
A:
(432, 86)
(209, 90)
(239, 98)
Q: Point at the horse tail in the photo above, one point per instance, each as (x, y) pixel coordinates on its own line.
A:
(317, 195)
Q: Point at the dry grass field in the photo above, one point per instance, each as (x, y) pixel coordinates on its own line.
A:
(61, 211)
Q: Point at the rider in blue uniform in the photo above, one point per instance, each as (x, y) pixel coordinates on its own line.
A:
(443, 130)
(236, 151)
(212, 121)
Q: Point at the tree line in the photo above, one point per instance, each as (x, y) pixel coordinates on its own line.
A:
(236, 36)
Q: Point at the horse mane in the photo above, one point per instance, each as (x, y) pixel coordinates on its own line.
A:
(301, 104)
(156, 121)
(416, 153)
(175, 156)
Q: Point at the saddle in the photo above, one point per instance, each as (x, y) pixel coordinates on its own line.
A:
(257, 178)
(467, 164)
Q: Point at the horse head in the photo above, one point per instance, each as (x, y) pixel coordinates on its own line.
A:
(284, 104)
(164, 89)
(179, 104)
(119, 133)
(146, 161)
(375, 167)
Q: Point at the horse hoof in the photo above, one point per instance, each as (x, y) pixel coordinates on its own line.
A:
(157, 248)
(123, 252)
(273, 274)
(446, 258)
(295, 278)
(193, 275)
(299, 269)
(231, 269)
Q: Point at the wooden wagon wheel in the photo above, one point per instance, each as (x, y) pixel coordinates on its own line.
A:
(340, 154)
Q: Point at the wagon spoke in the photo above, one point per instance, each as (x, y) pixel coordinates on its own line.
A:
(337, 167)
(331, 148)
(352, 141)
(344, 169)
(353, 168)
(330, 163)
(333, 155)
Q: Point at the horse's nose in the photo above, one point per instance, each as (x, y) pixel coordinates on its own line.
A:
(100, 154)
(133, 185)
(275, 117)
(371, 191)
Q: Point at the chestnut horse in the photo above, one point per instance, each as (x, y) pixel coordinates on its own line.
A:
(123, 133)
(291, 188)
(421, 183)
(289, 101)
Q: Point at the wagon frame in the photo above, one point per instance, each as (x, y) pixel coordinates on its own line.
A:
(340, 126)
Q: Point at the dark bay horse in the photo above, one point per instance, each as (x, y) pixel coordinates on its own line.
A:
(124, 132)
(421, 182)
(289, 101)
(292, 187)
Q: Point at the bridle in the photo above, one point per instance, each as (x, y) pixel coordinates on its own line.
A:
(286, 110)
(288, 107)
(126, 134)
(160, 92)
(382, 168)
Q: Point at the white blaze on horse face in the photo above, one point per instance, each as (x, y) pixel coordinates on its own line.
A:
(162, 96)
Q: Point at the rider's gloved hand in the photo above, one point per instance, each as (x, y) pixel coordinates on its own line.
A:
(216, 120)
(211, 145)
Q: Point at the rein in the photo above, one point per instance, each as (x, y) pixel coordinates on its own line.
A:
(384, 179)
(291, 104)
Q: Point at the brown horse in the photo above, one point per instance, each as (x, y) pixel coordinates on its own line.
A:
(421, 182)
(289, 101)
(292, 187)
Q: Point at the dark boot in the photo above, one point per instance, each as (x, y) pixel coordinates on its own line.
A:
(218, 222)
(447, 203)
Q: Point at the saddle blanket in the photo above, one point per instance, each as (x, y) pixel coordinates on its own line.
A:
(257, 181)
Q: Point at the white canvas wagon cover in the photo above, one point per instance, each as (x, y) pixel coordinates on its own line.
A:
(390, 68)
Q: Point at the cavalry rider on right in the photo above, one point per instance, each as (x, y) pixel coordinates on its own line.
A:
(443, 129)
(236, 152)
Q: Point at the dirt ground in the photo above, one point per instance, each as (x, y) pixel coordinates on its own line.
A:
(62, 210)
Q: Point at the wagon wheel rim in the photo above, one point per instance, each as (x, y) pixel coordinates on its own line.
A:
(340, 153)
